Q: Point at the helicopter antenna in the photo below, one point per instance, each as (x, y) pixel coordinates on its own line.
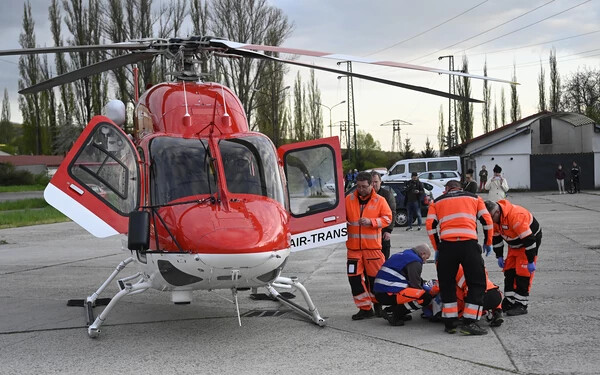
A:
(225, 120)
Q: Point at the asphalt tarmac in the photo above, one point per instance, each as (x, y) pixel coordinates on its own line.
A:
(43, 266)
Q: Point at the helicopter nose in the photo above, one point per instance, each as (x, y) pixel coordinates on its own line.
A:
(248, 227)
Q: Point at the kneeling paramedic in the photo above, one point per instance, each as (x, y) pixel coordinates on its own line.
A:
(366, 213)
(492, 299)
(523, 234)
(452, 229)
(399, 284)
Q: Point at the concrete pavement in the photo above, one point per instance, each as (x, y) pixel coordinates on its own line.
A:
(43, 266)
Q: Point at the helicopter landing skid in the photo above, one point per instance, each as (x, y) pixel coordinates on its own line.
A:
(288, 283)
(126, 289)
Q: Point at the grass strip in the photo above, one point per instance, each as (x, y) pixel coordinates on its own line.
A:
(23, 204)
(18, 188)
(22, 218)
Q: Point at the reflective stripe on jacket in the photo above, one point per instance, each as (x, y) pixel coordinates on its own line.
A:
(390, 279)
(453, 217)
(377, 210)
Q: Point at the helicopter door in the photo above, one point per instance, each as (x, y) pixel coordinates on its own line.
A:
(97, 185)
(315, 189)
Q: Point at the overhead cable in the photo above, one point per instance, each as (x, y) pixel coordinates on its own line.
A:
(428, 30)
(484, 32)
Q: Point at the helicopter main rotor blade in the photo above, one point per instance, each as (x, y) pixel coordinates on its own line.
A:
(61, 49)
(340, 57)
(426, 90)
(100, 67)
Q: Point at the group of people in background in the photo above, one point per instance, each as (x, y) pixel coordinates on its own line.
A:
(462, 293)
(560, 175)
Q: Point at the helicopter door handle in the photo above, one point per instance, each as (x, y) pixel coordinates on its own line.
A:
(328, 219)
(76, 189)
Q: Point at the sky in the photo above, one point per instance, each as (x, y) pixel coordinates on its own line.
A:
(506, 33)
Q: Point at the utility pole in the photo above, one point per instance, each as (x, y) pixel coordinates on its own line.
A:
(450, 91)
(351, 114)
(396, 140)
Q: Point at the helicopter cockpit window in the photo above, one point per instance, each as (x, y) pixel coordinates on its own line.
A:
(250, 165)
(106, 165)
(311, 174)
(180, 168)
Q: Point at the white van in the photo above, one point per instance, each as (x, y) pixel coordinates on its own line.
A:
(403, 169)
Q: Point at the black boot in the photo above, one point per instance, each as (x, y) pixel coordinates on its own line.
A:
(363, 314)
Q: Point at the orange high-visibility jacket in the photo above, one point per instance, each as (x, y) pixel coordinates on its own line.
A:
(453, 217)
(518, 228)
(376, 209)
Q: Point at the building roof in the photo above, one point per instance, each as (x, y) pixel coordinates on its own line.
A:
(574, 119)
(24, 160)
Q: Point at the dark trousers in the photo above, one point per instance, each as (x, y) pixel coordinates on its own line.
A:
(413, 211)
(468, 254)
(385, 248)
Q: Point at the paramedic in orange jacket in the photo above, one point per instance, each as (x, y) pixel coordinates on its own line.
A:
(523, 234)
(492, 300)
(452, 228)
(366, 213)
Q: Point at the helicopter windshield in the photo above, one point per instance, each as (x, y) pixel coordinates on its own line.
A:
(180, 168)
(250, 165)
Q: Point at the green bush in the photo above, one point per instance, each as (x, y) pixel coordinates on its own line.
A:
(10, 176)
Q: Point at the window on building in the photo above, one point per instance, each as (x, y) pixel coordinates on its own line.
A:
(546, 131)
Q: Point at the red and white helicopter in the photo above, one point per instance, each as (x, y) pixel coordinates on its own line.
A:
(205, 203)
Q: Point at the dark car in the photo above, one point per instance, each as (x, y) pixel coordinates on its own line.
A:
(397, 187)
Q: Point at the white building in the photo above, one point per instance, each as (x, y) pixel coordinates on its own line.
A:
(529, 150)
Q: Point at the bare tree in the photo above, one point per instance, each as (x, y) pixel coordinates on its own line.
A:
(502, 107)
(246, 22)
(299, 113)
(441, 132)
(465, 109)
(542, 89)
(554, 83)
(313, 106)
(495, 112)
(84, 25)
(581, 93)
(200, 14)
(6, 129)
(29, 75)
(487, 93)
(515, 107)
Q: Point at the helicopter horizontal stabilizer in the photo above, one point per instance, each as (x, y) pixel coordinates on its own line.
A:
(343, 57)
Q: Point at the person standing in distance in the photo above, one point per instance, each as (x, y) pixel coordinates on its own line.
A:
(483, 176)
(366, 213)
(452, 228)
(386, 233)
(575, 172)
(560, 179)
(497, 186)
(412, 200)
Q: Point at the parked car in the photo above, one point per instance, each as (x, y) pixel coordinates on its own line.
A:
(397, 188)
(434, 187)
(439, 176)
(382, 171)
(402, 169)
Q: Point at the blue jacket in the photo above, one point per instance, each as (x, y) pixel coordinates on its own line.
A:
(389, 278)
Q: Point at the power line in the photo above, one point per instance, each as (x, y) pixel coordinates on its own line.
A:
(524, 27)
(558, 58)
(533, 45)
(484, 32)
(428, 30)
